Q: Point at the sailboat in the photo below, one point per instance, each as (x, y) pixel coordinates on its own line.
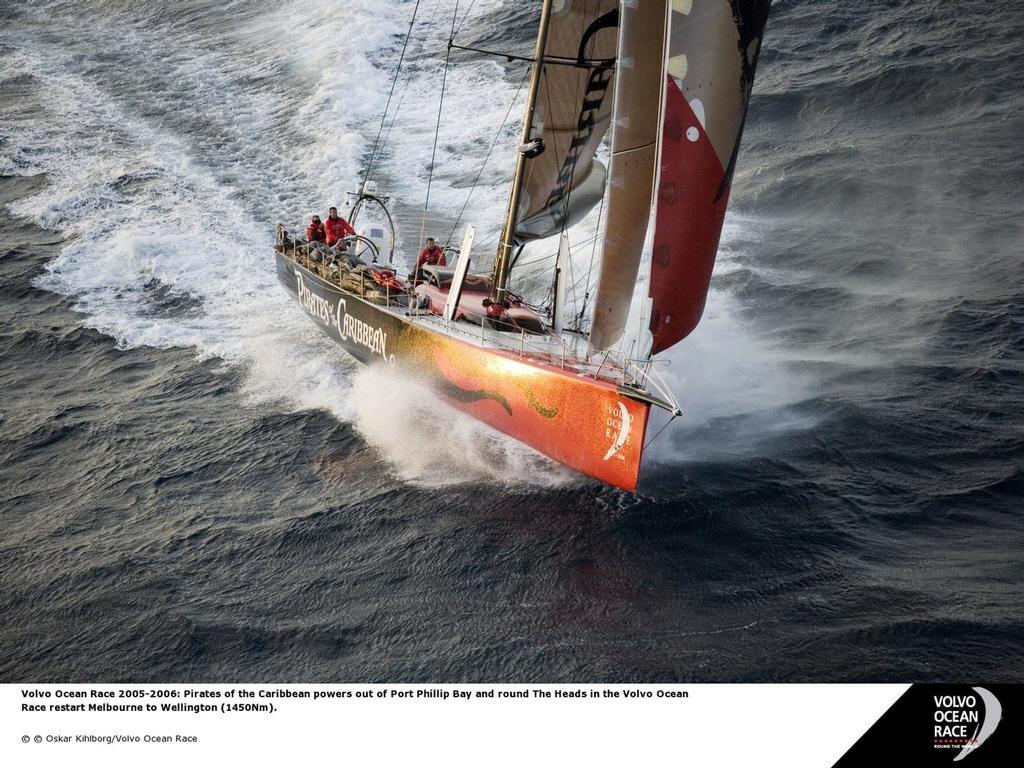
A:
(667, 83)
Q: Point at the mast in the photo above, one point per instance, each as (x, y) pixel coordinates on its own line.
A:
(506, 244)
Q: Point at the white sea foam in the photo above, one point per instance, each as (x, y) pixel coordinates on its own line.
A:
(437, 445)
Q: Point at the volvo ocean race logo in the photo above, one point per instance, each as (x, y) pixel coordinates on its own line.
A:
(349, 328)
(965, 722)
(618, 423)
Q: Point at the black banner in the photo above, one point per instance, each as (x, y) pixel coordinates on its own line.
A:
(944, 725)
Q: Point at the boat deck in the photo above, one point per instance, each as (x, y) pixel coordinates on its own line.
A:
(566, 352)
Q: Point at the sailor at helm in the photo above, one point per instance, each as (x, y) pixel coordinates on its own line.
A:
(336, 227)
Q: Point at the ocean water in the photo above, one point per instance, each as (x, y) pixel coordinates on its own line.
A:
(194, 485)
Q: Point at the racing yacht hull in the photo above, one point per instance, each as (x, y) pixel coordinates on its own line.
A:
(588, 424)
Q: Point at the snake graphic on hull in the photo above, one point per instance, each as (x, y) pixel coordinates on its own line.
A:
(571, 418)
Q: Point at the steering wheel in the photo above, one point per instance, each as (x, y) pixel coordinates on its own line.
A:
(361, 248)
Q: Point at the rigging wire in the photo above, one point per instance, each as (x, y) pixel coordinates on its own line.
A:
(437, 126)
(658, 433)
(394, 82)
(590, 268)
(572, 290)
(550, 256)
(487, 157)
(463, 22)
(408, 80)
(597, 236)
(538, 260)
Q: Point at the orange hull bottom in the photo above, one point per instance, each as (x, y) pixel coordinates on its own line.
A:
(582, 423)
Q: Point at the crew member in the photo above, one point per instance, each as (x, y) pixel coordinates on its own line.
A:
(433, 254)
(336, 227)
(315, 231)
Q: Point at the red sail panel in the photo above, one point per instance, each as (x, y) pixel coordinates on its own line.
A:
(713, 50)
(689, 224)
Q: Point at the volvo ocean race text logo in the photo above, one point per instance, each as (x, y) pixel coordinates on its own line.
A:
(349, 328)
(965, 722)
(617, 426)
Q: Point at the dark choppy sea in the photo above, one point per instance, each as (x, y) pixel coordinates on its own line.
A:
(195, 486)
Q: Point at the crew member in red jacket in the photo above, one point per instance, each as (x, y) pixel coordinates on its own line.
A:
(433, 254)
(315, 231)
(336, 227)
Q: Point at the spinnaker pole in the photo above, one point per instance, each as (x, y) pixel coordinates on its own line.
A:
(507, 242)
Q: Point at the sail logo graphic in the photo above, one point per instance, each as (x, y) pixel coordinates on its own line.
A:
(349, 327)
(598, 83)
(617, 428)
(965, 722)
(599, 80)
